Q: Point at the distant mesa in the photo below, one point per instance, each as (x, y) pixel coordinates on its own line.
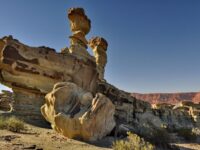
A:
(171, 98)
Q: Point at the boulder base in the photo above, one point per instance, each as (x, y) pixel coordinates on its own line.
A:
(75, 113)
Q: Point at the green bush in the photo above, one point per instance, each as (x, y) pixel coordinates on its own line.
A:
(133, 142)
(12, 124)
(187, 134)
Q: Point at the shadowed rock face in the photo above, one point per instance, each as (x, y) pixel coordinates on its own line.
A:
(144, 119)
(6, 101)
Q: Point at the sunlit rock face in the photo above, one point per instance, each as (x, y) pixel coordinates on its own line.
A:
(44, 65)
(75, 113)
(99, 47)
(80, 26)
(31, 72)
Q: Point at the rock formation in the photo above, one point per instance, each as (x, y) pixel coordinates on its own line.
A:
(144, 119)
(80, 26)
(99, 47)
(31, 73)
(196, 99)
(77, 103)
(75, 113)
(6, 101)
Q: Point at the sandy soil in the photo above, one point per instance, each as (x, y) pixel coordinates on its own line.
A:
(38, 138)
(189, 146)
(41, 139)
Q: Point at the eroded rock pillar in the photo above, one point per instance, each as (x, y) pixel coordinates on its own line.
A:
(80, 26)
(99, 47)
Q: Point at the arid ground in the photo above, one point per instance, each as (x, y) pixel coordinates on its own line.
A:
(42, 139)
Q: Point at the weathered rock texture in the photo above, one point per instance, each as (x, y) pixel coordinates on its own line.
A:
(171, 98)
(6, 100)
(143, 118)
(80, 26)
(99, 47)
(31, 73)
(75, 113)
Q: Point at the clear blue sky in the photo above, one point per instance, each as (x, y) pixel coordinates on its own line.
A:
(154, 45)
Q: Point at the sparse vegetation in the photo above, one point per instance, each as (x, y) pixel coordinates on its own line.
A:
(12, 124)
(133, 142)
(187, 134)
(160, 137)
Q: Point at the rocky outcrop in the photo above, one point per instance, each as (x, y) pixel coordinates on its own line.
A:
(171, 98)
(6, 100)
(144, 119)
(196, 99)
(38, 69)
(80, 26)
(192, 108)
(99, 48)
(31, 72)
(75, 113)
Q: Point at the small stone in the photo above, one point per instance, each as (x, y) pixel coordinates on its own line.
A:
(30, 147)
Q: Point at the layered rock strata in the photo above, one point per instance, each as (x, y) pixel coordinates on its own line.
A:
(80, 26)
(170, 98)
(31, 72)
(144, 119)
(99, 47)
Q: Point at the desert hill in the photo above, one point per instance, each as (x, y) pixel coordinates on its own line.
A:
(171, 98)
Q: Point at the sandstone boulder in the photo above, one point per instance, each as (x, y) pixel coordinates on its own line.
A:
(75, 113)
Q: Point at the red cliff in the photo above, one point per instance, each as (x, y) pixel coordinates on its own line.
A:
(171, 98)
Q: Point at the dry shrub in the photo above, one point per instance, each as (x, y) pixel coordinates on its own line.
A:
(133, 142)
(12, 124)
